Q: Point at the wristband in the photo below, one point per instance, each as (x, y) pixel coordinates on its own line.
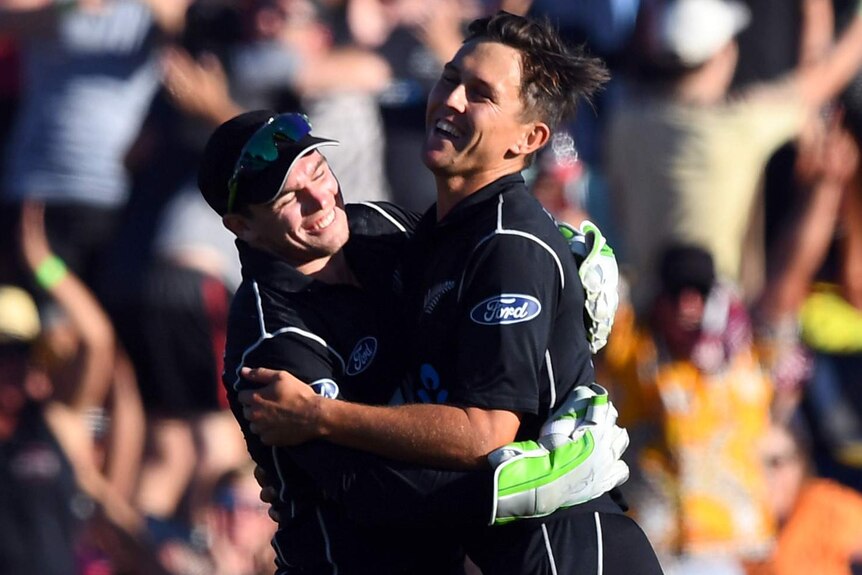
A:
(50, 272)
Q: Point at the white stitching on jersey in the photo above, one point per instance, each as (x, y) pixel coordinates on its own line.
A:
(552, 385)
(386, 215)
(599, 545)
(326, 541)
(551, 561)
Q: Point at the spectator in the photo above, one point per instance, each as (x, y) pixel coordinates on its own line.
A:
(89, 73)
(236, 535)
(416, 38)
(59, 508)
(685, 157)
(695, 399)
(559, 183)
(820, 520)
(830, 321)
(288, 62)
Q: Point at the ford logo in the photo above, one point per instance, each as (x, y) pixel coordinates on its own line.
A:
(361, 356)
(505, 309)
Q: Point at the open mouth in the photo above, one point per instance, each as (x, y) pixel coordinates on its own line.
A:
(322, 223)
(447, 129)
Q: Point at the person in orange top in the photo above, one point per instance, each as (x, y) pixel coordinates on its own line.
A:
(820, 520)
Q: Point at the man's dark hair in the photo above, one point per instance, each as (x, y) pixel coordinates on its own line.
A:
(553, 75)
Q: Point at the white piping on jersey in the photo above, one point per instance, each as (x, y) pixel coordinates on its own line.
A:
(500, 230)
(551, 383)
(263, 337)
(282, 494)
(326, 541)
(386, 215)
(551, 561)
(599, 545)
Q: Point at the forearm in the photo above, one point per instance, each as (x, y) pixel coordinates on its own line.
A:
(170, 15)
(286, 411)
(97, 340)
(343, 69)
(125, 447)
(824, 79)
(818, 27)
(436, 435)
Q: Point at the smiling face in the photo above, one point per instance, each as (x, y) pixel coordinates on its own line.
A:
(306, 223)
(476, 126)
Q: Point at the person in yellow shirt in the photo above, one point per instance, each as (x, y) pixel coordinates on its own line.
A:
(691, 390)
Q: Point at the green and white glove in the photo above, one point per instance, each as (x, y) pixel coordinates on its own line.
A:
(600, 276)
(576, 459)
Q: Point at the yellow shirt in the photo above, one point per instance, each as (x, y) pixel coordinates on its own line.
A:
(704, 462)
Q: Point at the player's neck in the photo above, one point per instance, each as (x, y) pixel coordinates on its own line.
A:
(331, 269)
(451, 189)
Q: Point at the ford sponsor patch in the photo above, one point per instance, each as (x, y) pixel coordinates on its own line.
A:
(505, 309)
(362, 355)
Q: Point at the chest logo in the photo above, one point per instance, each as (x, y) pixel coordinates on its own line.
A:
(362, 355)
(505, 309)
(326, 388)
(432, 298)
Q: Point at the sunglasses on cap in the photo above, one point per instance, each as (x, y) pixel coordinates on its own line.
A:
(262, 149)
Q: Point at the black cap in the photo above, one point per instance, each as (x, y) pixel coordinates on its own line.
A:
(223, 150)
(685, 266)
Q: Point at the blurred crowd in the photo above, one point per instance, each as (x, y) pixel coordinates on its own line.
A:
(721, 162)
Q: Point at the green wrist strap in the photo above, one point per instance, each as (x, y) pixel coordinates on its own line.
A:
(50, 272)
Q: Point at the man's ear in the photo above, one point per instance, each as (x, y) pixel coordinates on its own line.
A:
(536, 136)
(239, 225)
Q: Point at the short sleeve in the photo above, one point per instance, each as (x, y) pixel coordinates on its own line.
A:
(507, 303)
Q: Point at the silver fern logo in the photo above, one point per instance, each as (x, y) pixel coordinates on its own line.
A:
(432, 298)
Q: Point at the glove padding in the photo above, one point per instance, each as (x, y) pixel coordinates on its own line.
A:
(576, 459)
(600, 276)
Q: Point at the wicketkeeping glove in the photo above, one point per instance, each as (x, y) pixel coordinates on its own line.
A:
(600, 276)
(576, 459)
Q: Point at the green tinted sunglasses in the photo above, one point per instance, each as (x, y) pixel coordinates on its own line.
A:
(262, 148)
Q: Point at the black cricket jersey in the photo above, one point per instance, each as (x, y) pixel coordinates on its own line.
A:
(495, 307)
(340, 339)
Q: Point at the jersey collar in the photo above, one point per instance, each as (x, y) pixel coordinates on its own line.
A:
(262, 266)
(463, 209)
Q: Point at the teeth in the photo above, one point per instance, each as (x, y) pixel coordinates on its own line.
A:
(449, 128)
(323, 223)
